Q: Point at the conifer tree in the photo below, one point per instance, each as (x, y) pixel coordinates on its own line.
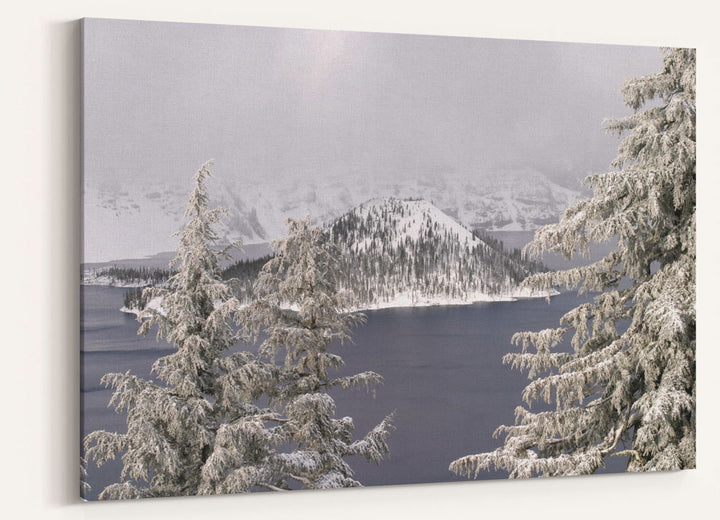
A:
(302, 312)
(626, 386)
(193, 429)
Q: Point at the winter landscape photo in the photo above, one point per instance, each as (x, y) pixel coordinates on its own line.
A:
(322, 259)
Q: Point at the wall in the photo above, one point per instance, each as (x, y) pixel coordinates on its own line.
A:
(40, 218)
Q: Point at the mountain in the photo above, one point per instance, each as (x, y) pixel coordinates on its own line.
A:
(409, 252)
(133, 221)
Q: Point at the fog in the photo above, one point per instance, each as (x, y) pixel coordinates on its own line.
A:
(266, 104)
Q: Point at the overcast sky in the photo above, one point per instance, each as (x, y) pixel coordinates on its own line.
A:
(161, 98)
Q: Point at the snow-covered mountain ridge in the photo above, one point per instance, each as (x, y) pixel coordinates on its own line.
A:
(138, 220)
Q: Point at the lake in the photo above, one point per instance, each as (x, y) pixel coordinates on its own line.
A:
(444, 379)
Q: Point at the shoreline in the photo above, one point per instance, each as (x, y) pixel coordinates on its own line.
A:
(405, 301)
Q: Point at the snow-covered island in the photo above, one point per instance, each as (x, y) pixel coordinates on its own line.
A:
(394, 253)
(407, 253)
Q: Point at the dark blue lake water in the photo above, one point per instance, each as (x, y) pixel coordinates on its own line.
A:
(444, 379)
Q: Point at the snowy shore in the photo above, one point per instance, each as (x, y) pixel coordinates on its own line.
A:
(410, 300)
(154, 304)
(99, 276)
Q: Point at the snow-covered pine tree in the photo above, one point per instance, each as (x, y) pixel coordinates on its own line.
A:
(301, 310)
(193, 429)
(627, 386)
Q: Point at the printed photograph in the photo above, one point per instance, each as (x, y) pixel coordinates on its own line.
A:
(321, 259)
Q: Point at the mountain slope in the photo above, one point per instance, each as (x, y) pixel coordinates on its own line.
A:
(133, 221)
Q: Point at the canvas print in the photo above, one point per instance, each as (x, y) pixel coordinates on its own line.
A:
(325, 259)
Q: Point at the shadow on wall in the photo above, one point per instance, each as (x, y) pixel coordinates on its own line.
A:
(61, 364)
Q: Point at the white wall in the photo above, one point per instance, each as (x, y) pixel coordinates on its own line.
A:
(39, 206)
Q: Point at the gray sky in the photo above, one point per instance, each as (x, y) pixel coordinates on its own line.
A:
(161, 98)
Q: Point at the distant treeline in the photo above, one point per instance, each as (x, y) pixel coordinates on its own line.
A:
(144, 275)
(242, 274)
